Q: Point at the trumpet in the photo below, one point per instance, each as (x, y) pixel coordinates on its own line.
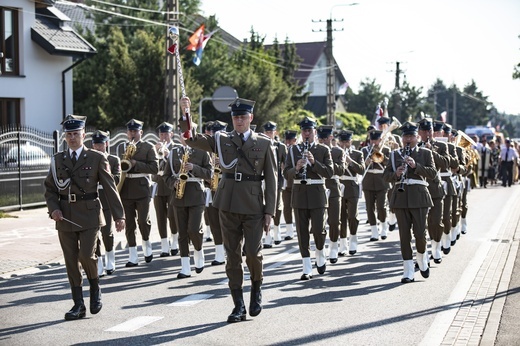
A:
(304, 155)
(162, 148)
(183, 175)
(126, 164)
(216, 172)
(403, 176)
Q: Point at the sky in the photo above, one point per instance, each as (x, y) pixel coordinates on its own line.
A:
(456, 41)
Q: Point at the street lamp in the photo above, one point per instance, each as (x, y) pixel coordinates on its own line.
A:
(340, 5)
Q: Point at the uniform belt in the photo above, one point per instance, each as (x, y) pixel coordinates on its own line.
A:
(137, 175)
(242, 177)
(376, 171)
(445, 174)
(310, 182)
(415, 182)
(74, 197)
(347, 177)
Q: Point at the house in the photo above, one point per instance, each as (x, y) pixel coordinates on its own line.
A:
(312, 73)
(38, 50)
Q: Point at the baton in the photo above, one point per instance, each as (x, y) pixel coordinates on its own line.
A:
(75, 224)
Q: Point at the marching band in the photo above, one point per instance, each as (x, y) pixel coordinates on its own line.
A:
(417, 182)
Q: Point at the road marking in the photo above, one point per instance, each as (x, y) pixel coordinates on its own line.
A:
(191, 300)
(134, 324)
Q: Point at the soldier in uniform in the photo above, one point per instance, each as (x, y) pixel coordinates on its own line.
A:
(185, 174)
(208, 129)
(374, 186)
(448, 184)
(280, 151)
(211, 212)
(245, 209)
(309, 164)
(335, 189)
(135, 189)
(100, 143)
(161, 193)
(71, 193)
(355, 165)
(290, 140)
(441, 160)
(459, 175)
(408, 169)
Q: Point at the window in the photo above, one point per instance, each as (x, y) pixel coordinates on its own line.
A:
(8, 41)
(9, 112)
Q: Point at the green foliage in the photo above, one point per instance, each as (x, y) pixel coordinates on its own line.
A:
(354, 122)
(367, 99)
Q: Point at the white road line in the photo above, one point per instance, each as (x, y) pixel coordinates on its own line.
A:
(191, 300)
(134, 324)
(443, 320)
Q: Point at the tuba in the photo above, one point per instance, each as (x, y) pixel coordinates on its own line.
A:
(183, 175)
(126, 165)
(216, 172)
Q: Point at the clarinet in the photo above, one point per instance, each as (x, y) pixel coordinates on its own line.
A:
(403, 176)
(304, 155)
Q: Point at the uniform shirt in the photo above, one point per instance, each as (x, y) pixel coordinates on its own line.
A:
(511, 154)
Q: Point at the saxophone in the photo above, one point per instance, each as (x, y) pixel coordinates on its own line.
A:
(216, 171)
(126, 165)
(183, 175)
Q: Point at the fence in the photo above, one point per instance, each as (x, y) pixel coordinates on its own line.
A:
(25, 158)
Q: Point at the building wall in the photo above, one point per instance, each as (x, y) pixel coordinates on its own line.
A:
(317, 81)
(39, 85)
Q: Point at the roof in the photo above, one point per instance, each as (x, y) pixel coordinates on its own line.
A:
(78, 15)
(56, 38)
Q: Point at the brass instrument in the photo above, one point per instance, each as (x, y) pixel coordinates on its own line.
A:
(161, 150)
(183, 175)
(403, 176)
(377, 156)
(216, 172)
(304, 155)
(466, 143)
(126, 165)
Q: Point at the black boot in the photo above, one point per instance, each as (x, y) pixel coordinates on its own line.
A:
(255, 304)
(95, 296)
(239, 312)
(78, 310)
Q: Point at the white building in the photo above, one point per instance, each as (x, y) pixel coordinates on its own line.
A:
(38, 50)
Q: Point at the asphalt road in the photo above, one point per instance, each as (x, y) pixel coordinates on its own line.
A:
(471, 298)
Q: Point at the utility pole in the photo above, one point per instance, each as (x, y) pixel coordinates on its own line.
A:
(331, 76)
(397, 95)
(171, 108)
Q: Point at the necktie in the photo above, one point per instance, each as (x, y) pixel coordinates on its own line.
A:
(241, 135)
(507, 152)
(74, 158)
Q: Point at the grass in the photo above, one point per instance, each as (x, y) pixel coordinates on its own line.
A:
(4, 215)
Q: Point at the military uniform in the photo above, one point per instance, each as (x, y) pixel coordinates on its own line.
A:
(107, 230)
(410, 199)
(246, 159)
(335, 191)
(309, 198)
(280, 151)
(375, 188)
(287, 185)
(351, 194)
(161, 195)
(71, 190)
(136, 194)
(456, 207)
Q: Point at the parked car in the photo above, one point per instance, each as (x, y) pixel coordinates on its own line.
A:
(30, 156)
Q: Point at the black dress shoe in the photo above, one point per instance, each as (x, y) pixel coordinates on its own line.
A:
(383, 237)
(199, 270)
(458, 236)
(78, 311)
(342, 253)
(437, 260)
(333, 260)
(277, 242)
(374, 239)
(406, 280)
(306, 277)
(391, 227)
(445, 251)
(288, 238)
(453, 242)
(267, 246)
(464, 232)
(183, 276)
(321, 270)
(174, 251)
(165, 254)
(352, 252)
(425, 273)
(148, 259)
(131, 264)
(209, 239)
(216, 263)
(110, 271)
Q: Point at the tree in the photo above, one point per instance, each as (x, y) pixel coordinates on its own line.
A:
(516, 72)
(367, 99)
